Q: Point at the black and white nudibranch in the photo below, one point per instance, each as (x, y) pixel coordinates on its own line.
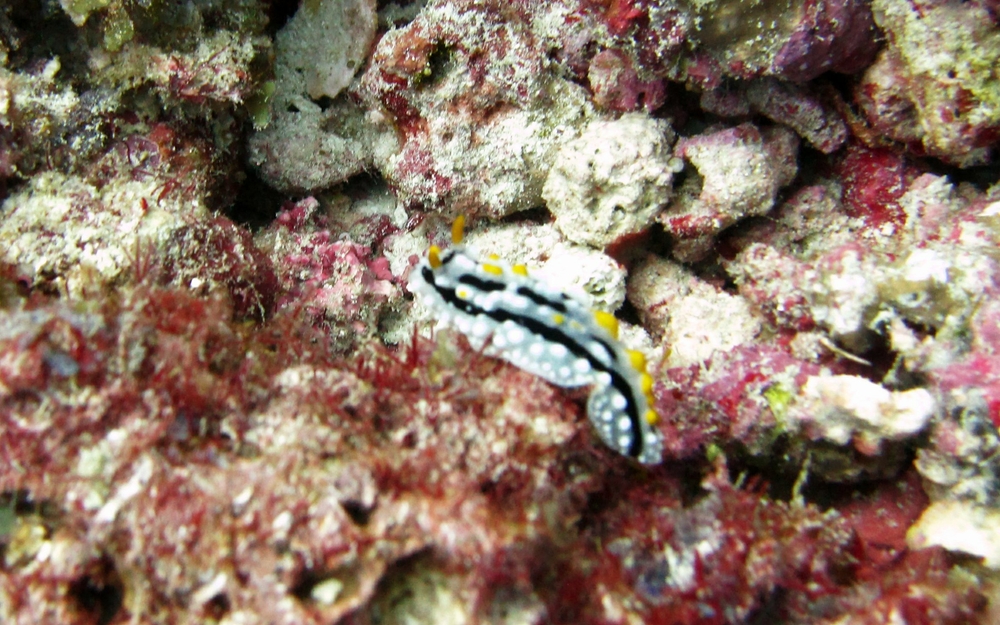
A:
(547, 332)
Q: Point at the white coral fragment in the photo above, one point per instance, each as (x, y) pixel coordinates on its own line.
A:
(846, 408)
(959, 526)
(612, 180)
(327, 41)
(690, 316)
(844, 294)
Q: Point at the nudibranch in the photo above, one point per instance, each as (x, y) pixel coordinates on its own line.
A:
(540, 329)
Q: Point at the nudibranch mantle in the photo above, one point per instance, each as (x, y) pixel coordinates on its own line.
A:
(544, 331)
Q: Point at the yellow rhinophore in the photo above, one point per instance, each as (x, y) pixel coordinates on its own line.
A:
(434, 256)
(458, 230)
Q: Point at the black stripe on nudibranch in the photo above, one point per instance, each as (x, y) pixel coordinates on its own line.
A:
(541, 300)
(481, 284)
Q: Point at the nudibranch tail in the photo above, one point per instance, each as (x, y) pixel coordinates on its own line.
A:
(546, 332)
(621, 426)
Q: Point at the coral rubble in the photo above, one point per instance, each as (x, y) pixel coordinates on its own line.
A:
(219, 402)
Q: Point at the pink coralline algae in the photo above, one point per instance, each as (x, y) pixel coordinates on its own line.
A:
(342, 284)
(835, 35)
(740, 395)
(812, 115)
(617, 86)
(874, 179)
(802, 111)
(978, 371)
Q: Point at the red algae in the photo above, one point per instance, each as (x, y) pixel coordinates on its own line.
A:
(341, 284)
(178, 447)
(218, 254)
(724, 557)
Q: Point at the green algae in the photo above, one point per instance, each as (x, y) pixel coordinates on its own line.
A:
(778, 400)
(747, 32)
(259, 105)
(118, 30)
(80, 10)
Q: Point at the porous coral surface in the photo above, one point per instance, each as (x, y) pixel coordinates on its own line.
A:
(219, 402)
